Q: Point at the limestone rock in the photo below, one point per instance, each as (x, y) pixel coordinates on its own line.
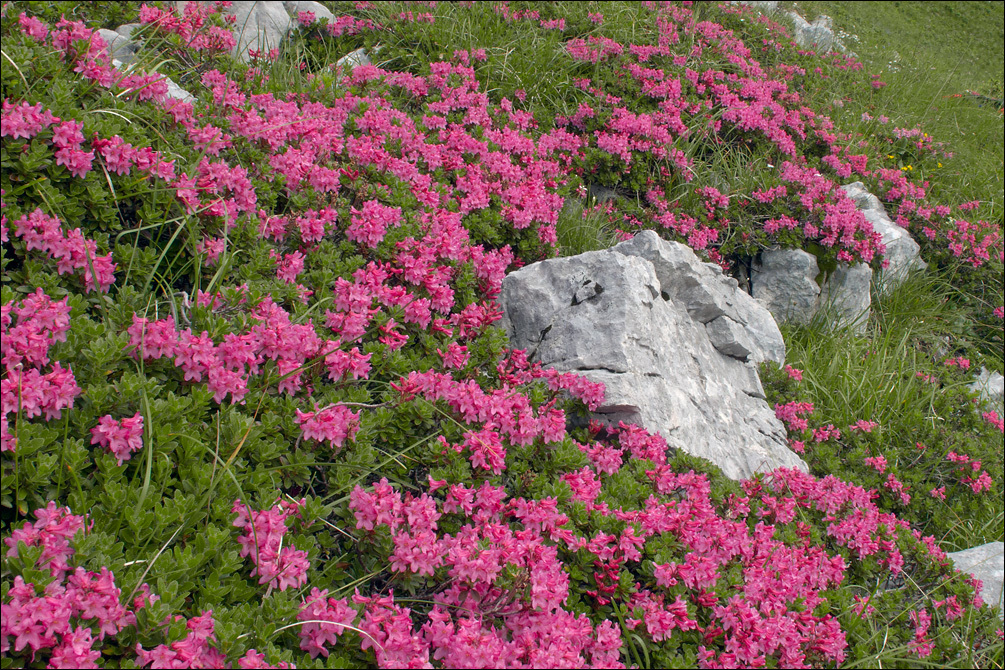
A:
(818, 35)
(294, 7)
(259, 26)
(990, 387)
(764, 6)
(608, 316)
(354, 59)
(901, 249)
(742, 327)
(119, 46)
(986, 563)
(784, 281)
(846, 296)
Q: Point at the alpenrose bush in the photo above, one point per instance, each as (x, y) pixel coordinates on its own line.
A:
(933, 476)
(253, 392)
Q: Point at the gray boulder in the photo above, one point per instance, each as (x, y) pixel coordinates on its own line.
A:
(608, 316)
(986, 563)
(120, 47)
(818, 35)
(990, 387)
(785, 282)
(259, 25)
(737, 325)
(901, 249)
(846, 296)
(354, 59)
(320, 11)
(764, 6)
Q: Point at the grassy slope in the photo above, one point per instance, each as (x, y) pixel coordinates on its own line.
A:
(927, 52)
(916, 93)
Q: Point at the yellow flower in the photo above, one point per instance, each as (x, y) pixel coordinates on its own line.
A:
(940, 164)
(889, 155)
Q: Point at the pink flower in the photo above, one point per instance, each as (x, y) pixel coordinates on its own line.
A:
(334, 424)
(123, 438)
(994, 420)
(325, 619)
(878, 463)
(793, 372)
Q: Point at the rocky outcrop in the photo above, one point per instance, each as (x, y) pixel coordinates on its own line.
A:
(785, 282)
(673, 340)
(818, 35)
(986, 563)
(902, 252)
(258, 27)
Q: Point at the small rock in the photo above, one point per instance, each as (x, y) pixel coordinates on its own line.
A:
(817, 35)
(901, 249)
(986, 563)
(847, 296)
(119, 46)
(990, 387)
(354, 59)
(784, 281)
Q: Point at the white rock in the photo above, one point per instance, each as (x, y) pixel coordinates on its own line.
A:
(846, 296)
(784, 281)
(817, 35)
(607, 316)
(354, 59)
(901, 249)
(986, 563)
(294, 7)
(119, 46)
(990, 387)
(739, 323)
(259, 26)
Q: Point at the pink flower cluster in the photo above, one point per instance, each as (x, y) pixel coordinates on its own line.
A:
(123, 437)
(278, 566)
(69, 618)
(229, 365)
(968, 466)
(529, 629)
(324, 619)
(502, 413)
(72, 613)
(26, 390)
(70, 251)
(191, 26)
(793, 414)
(333, 425)
(193, 651)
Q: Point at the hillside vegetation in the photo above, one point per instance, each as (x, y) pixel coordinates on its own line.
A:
(258, 411)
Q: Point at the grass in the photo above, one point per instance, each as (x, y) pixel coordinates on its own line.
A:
(931, 54)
